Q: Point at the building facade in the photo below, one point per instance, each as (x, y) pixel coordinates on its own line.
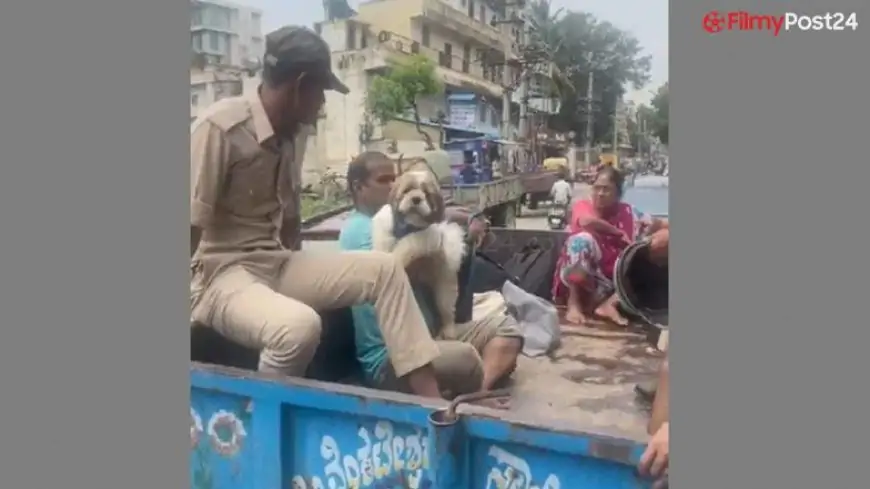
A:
(463, 38)
(226, 33)
(209, 84)
(226, 43)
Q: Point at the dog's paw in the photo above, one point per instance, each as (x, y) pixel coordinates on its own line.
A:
(382, 230)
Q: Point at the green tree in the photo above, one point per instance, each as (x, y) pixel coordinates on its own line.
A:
(660, 105)
(580, 43)
(398, 92)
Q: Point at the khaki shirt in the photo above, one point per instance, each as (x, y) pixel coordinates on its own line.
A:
(244, 185)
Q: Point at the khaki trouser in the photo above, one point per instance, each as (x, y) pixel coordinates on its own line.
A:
(277, 315)
(459, 367)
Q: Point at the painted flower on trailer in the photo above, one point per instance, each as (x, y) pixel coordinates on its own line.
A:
(195, 428)
(226, 432)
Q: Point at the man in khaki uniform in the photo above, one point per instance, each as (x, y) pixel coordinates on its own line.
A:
(245, 159)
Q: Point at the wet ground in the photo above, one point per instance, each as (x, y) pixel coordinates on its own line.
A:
(589, 381)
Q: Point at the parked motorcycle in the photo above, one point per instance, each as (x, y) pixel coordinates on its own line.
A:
(557, 217)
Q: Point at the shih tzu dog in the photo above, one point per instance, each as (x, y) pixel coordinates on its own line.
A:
(414, 228)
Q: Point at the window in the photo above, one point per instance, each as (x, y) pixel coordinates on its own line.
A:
(448, 55)
(214, 42)
(351, 35)
(217, 17)
(194, 99)
(483, 14)
(471, 8)
(196, 17)
(255, 18)
(483, 111)
(196, 41)
(466, 58)
(364, 38)
(425, 36)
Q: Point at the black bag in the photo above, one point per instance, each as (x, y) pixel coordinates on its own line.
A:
(488, 275)
(533, 266)
(465, 299)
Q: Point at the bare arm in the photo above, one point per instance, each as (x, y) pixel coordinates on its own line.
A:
(656, 458)
(595, 224)
(660, 409)
(658, 225)
(209, 160)
(477, 226)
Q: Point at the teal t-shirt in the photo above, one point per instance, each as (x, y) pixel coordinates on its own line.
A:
(355, 235)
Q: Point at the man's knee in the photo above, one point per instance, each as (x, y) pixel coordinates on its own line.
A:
(294, 333)
(507, 345)
(464, 368)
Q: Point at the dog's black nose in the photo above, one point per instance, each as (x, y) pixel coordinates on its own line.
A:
(416, 200)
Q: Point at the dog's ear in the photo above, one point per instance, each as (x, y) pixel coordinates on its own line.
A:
(395, 193)
(436, 201)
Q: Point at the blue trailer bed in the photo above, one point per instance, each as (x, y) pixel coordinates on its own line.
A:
(574, 423)
(248, 431)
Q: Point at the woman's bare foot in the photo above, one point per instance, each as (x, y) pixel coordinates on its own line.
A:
(574, 315)
(609, 312)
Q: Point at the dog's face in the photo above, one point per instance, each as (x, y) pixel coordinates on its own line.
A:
(416, 195)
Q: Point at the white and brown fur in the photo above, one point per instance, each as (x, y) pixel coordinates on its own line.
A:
(435, 247)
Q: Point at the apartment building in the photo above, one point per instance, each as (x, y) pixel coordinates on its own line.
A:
(211, 83)
(457, 35)
(226, 40)
(228, 34)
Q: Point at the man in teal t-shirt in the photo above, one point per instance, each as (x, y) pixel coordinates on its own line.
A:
(356, 234)
(460, 368)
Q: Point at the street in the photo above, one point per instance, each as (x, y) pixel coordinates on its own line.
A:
(537, 219)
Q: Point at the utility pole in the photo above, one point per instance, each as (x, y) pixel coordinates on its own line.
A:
(525, 85)
(514, 12)
(616, 133)
(642, 138)
(590, 120)
(506, 94)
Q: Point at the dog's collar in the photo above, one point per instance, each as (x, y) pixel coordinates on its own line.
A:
(402, 228)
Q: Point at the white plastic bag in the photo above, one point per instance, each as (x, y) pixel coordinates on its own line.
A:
(537, 318)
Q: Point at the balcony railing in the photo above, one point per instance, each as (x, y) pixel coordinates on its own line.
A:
(460, 23)
(454, 70)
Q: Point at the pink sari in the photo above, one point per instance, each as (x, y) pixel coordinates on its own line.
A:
(593, 253)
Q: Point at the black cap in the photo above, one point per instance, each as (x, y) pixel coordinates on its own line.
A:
(296, 47)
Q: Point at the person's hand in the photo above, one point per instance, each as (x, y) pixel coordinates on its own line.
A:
(655, 460)
(477, 229)
(624, 238)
